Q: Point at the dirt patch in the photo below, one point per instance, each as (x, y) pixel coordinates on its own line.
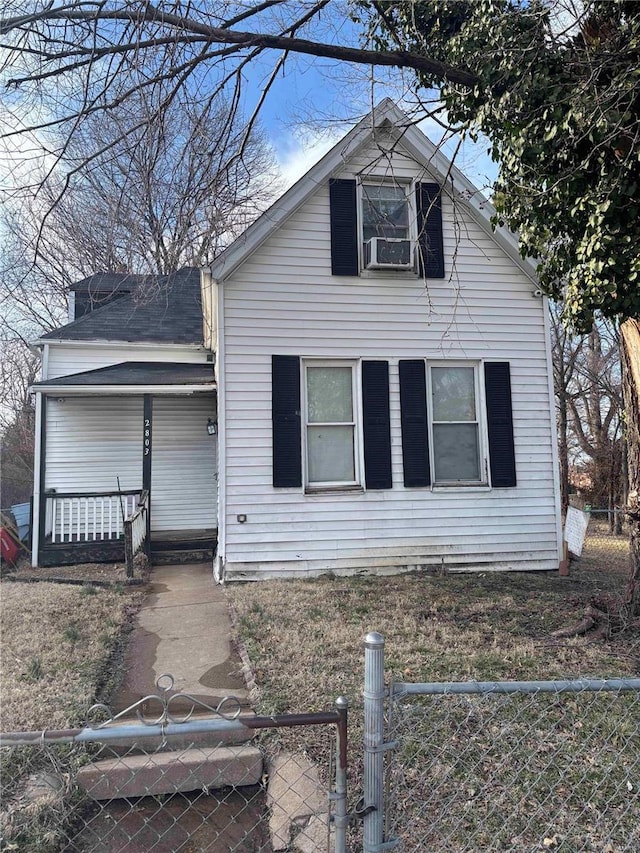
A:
(103, 573)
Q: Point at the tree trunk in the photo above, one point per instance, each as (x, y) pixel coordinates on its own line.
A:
(630, 334)
(563, 451)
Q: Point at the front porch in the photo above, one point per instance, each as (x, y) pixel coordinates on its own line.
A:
(155, 441)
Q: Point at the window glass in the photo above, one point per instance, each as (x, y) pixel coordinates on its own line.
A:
(385, 211)
(330, 454)
(329, 394)
(331, 429)
(455, 452)
(453, 393)
(456, 444)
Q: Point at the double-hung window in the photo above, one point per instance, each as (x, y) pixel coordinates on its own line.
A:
(455, 424)
(386, 226)
(331, 424)
(385, 211)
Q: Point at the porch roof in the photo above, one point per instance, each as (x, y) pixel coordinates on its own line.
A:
(134, 377)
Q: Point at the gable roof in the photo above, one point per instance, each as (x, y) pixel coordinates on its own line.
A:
(158, 309)
(418, 146)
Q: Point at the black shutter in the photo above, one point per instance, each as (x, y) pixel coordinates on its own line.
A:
(430, 248)
(344, 227)
(497, 385)
(413, 419)
(377, 428)
(285, 413)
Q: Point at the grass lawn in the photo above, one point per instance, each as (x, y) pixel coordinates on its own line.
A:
(305, 641)
(57, 645)
(305, 638)
(61, 649)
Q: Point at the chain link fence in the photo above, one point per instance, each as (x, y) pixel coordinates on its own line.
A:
(188, 783)
(505, 766)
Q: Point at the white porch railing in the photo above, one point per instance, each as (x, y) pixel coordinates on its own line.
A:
(135, 531)
(97, 517)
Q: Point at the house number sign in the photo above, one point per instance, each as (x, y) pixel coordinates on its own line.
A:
(146, 442)
(147, 436)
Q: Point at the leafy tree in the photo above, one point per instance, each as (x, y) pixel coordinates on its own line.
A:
(561, 109)
(557, 94)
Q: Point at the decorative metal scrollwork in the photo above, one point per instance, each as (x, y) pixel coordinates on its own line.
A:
(100, 716)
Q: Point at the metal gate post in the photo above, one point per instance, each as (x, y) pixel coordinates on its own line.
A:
(341, 819)
(373, 827)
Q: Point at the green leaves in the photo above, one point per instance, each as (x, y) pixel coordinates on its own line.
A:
(561, 108)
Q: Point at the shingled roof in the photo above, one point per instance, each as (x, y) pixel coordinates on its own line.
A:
(159, 309)
(133, 373)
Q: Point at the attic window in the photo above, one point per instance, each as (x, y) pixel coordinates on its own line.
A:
(385, 211)
(386, 230)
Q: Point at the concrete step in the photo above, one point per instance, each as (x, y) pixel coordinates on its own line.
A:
(171, 772)
(152, 744)
(170, 557)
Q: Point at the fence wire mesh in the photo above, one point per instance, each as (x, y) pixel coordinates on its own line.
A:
(132, 797)
(520, 772)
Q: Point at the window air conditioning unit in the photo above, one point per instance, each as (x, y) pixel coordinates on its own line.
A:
(388, 253)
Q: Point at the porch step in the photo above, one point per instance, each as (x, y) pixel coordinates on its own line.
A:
(164, 557)
(171, 772)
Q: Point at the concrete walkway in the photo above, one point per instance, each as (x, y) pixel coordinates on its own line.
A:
(182, 629)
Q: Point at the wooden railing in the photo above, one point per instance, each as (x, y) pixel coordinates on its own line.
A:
(135, 531)
(90, 517)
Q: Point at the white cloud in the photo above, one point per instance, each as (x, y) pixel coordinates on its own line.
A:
(296, 155)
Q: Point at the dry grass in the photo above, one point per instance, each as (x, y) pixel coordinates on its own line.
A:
(61, 648)
(305, 638)
(305, 641)
(57, 641)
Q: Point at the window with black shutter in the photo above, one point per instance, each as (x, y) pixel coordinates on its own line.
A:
(390, 238)
(448, 430)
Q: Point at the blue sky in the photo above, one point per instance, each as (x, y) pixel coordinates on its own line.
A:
(315, 101)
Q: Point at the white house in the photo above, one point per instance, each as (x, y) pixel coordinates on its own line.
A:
(382, 374)
(126, 395)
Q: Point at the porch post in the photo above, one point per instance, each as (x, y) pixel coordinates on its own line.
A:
(39, 510)
(147, 436)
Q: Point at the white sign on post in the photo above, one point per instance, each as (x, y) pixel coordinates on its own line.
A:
(575, 530)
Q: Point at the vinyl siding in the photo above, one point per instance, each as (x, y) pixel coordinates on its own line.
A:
(284, 300)
(184, 487)
(93, 441)
(65, 359)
